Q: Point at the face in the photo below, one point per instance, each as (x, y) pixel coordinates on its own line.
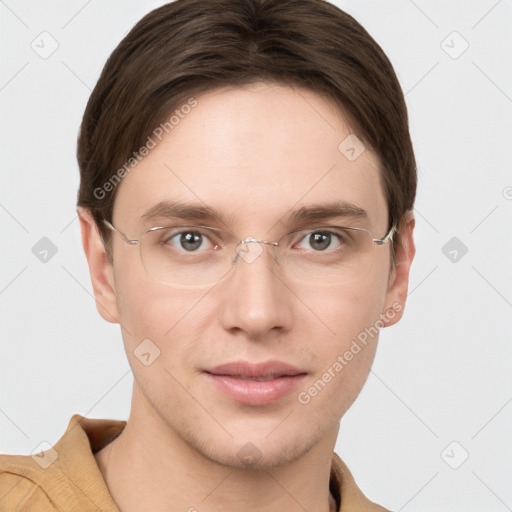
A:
(256, 155)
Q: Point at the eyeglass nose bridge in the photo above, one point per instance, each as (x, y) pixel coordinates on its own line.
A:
(248, 258)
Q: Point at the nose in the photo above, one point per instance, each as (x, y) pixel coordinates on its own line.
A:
(255, 298)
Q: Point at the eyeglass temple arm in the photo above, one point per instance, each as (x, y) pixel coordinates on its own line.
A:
(122, 235)
(389, 236)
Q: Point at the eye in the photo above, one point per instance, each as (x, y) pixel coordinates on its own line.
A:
(322, 240)
(190, 240)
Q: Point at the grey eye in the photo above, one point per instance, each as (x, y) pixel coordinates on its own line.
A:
(188, 240)
(319, 241)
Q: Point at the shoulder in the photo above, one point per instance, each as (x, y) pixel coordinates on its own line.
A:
(20, 490)
(63, 477)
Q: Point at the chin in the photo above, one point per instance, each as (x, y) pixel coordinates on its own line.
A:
(258, 455)
(251, 450)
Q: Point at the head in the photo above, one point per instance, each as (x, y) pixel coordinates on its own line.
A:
(254, 109)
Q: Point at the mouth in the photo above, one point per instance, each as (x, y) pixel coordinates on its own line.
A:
(257, 379)
(255, 384)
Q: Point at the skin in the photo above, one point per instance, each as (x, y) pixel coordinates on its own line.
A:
(277, 148)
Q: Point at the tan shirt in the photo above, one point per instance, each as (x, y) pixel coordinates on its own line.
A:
(67, 478)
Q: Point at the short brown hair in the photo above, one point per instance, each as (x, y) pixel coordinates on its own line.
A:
(188, 47)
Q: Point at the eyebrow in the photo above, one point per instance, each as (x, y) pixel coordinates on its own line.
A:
(321, 212)
(184, 211)
(193, 212)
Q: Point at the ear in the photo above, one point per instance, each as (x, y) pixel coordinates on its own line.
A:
(396, 294)
(100, 269)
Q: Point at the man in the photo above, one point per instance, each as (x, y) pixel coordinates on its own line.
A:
(247, 181)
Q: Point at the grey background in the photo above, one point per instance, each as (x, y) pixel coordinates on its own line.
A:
(442, 375)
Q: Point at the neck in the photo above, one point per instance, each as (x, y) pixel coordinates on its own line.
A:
(149, 455)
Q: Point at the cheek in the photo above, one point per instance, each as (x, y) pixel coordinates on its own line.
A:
(351, 316)
(346, 311)
(151, 311)
(146, 308)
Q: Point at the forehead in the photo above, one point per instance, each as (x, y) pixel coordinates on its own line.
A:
(255, 153)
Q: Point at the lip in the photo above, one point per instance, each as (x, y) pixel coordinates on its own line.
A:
(236, 380)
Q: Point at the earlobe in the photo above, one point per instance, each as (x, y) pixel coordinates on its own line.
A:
(396, 295)
(100, 269)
